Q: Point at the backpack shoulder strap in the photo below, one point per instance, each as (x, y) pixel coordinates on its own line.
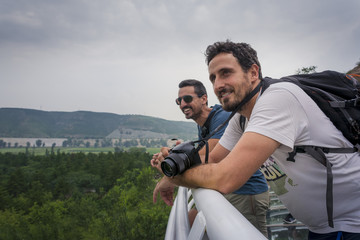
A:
(242, 121)
(205, 129)
(318, 153)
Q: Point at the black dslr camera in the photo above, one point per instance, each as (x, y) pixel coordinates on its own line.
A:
(181, 158)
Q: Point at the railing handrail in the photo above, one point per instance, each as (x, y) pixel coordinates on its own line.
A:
(220, 219)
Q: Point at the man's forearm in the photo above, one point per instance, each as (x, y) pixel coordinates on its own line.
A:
(199, 176)
(235, 169)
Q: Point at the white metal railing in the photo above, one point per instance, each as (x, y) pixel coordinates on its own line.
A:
(216, 218)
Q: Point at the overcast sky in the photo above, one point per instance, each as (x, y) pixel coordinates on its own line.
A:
(128, 56)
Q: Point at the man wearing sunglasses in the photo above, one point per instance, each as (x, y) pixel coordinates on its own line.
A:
(193, 103)
(252, 200)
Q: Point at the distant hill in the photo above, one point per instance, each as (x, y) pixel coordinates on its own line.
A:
(28, 123)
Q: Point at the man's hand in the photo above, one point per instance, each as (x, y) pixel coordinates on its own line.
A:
(165, 152)
(166, 190)
(157, 158)
(155, 162)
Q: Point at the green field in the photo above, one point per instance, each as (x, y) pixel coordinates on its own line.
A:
(42, 150)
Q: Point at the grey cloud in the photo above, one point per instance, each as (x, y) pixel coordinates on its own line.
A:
(99, 49)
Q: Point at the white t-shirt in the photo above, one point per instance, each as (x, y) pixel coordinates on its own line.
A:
(288, 115)
(232, 133)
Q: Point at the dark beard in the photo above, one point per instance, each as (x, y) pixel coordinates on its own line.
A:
(195, 115)
(229, 107)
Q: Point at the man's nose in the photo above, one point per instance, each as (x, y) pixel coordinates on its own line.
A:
(218, 85)
(183, 103)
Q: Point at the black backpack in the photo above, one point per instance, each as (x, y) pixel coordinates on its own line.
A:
(338, 96)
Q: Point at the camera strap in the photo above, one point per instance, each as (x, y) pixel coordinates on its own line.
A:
(204, 141)
(206, 127)
(207, 152)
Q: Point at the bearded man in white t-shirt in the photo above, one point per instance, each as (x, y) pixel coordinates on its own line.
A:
(280, 118)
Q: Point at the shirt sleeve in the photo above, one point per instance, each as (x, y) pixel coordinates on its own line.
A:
(278, 114)
(232, 133)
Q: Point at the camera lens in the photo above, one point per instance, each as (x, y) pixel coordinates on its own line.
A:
(169, 168)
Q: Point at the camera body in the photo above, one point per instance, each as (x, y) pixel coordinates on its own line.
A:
(180, 158)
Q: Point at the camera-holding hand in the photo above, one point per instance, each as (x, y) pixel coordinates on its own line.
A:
(180, 158)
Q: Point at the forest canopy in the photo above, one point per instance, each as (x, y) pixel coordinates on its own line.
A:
(79, 196)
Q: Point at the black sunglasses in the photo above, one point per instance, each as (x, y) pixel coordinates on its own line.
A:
(187, 99)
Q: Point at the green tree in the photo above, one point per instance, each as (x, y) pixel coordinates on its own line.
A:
(106, 142)
(5, 198)
(129, 212)
(79, 196)
(96, 143)
(65, 143)
(13, 225)
(52, 221)
(355, 71)
(17, 182)
(63, 189)
(306, 70)
(38, 143)
(38, 194)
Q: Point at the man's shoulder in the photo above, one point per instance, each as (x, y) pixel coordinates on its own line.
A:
(219, 110)
(284, 86)
(219, 117)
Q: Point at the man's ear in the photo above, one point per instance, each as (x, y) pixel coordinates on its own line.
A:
(204, 99)
(254, 72)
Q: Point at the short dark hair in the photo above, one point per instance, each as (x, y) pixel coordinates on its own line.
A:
(199, 88)
(243, 52)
